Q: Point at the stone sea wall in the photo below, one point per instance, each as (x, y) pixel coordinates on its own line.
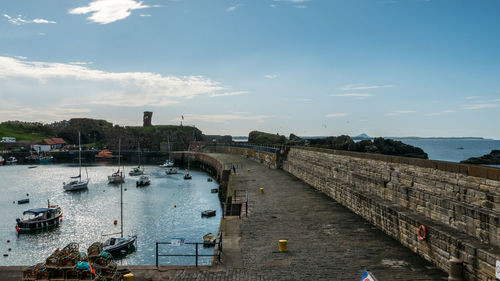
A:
(267, 158)
(459, 204)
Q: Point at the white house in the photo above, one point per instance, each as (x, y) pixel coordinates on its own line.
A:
(8, 139)
(40, 147)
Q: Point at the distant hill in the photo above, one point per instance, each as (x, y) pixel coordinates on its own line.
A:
(26, 131)
(362, 136)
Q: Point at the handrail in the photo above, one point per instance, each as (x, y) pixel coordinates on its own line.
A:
(196, 255)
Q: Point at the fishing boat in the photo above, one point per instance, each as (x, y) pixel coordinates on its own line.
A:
(11, 161)
(143, 180)
(39, 219)
(44, 159)
(119, 246)
(137, 171)
(171, 170)
(118, 176)
(105, 154)
(76, 182)
(2, 160)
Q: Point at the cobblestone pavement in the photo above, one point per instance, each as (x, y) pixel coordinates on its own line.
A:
(325, 240)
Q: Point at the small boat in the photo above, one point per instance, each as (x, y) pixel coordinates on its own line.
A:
(116, 245)
(208, 213)
(105, 154)
(77, 184)
(460, 147)
(23, 201)
(214, 190)
(209, 239)
(168, 163)
(118, 176)
(32, 167)
(143, 180)
(171, 170)
(2, 160)
(11, 161)
(38, 219)
(136, 171)
(187, 176)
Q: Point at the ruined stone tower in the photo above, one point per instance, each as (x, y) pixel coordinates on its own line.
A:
(148, 115)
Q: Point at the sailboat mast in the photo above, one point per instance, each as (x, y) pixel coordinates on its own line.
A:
(121, 209)
(80, 156)
(119, 155)
(139, 151)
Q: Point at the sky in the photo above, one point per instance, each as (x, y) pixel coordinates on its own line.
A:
(308, 67)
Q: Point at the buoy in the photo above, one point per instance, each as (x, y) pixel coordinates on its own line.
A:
(9, 249)
(175, 206)
(13, 202)
(8, 241)
(60, 219)
(283, 246)
(27, 194)
(125, 189)
(5, 255)
(115, 222)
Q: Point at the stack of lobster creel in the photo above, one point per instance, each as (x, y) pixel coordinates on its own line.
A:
(70, 264)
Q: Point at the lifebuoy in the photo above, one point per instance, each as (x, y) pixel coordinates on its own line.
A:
(422, 232)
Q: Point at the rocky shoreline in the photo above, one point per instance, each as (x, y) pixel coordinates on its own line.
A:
(493, 158)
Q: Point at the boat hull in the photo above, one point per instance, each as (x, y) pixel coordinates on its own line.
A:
(76, 186)
(115, 179)
(36, 226)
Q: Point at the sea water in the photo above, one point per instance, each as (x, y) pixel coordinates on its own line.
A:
(169, 208)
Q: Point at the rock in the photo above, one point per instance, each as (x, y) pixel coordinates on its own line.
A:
(493, 158)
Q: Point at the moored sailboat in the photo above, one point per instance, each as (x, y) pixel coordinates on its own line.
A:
(118, 176)
(76, 182)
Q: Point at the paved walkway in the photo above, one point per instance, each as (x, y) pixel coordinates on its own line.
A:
(325, 240)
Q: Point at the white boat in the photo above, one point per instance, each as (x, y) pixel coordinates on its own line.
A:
(2, 160)
(137, 171)
(118, 176)
(11, 161)
(168, 163)
(171, 170)
(76, 183)
(143, 181)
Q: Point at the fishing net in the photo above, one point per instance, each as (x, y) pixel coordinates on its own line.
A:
(95, 249)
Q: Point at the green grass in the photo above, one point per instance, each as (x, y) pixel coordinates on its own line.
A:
(22, 131)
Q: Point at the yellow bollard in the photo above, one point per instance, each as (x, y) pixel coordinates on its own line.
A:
(128, 277)
(283, 247)
(261, 190)
(248, 170)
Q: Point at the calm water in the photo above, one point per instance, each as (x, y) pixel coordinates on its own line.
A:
(149, 212)
(448, 149)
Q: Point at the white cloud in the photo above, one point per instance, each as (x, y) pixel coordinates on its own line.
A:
(334, 115)
(481, 106)
(229, 94)
(220, 118)
(273, 5)
(356, 95)
(472, 97)
(363, 87)
(399, 112)
(80, 62)
(303, 100)
(300, 6)
(271, 76)
(21, 57)
(433, 114)
(19, 20)
(144, 15)
(108, 11)
(448, 111)
(232, 8)
(91, 86)
(495, 100)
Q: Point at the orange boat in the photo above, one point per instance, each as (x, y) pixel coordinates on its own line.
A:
(105, 154)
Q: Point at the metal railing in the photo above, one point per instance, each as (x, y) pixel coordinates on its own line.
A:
(196, 255)
(240, 198)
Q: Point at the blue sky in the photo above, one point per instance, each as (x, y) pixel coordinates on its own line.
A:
(317, 67)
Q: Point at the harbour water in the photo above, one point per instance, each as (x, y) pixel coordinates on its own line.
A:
(169, 208)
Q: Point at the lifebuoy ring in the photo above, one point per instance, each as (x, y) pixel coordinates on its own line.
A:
(422, 232)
